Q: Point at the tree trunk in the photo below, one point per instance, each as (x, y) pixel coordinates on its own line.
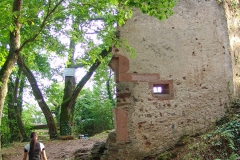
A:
(17, 108)
(14, 111)
(11, 59)
(70, 83)
(15, 134)
(38, 95)
(65, 126)
(72, 110)
(20, 95)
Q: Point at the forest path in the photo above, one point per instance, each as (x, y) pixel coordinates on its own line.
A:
(55, 149)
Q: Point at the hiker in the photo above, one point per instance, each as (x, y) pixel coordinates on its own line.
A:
(35, 150)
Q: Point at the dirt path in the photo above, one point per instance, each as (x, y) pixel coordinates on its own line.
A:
(56, 150)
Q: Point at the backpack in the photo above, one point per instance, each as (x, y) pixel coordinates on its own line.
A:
(36, 154)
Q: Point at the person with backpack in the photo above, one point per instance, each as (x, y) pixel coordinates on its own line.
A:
(34, 150)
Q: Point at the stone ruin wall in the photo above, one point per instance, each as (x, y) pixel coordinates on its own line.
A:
(192, 53)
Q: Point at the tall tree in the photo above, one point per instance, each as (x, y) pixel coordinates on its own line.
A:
(70, 83)
(15, 45)
(40, 99)
(12, 56)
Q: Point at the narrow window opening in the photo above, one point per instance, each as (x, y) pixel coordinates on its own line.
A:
(157, 89)
(161, 89)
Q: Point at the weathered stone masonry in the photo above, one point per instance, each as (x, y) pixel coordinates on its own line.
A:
(120, 65)
(192, 57)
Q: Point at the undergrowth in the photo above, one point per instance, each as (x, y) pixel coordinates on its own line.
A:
(223, 143)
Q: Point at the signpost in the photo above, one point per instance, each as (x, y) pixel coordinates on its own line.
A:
(69, 72)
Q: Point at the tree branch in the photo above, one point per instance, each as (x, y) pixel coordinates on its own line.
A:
(42, 25)
(87, 76)
(49, 5)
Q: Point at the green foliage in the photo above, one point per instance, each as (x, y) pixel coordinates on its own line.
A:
(161, 9)
(225, 139)
(229, 134)
(222, 143)
(4, 129)
(93, 109)
(55, 94)
(233, 4)
(93, 112)
(234, 156)
(6, 20)
(32, 115)
(5, 9)
(166, 156)
(3, 55)
(39, 63)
